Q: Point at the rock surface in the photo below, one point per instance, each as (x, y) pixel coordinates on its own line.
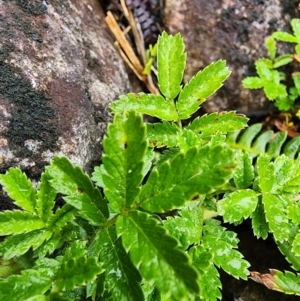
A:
(59, 71)
(233, 30)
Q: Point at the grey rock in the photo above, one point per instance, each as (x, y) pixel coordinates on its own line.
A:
(233, 30)
(59, 71)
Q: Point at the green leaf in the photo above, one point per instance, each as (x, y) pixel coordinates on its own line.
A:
(244, 173)
(61, 217)
(124, 151)
(201, 86)
(286, 249)
(162, 134)
(266, 173)
(287, 282)
(121, 277)
(276, 216)
(222, 245)
(296, 79)
(97, 175)
(147, 242)
(186, 227)
(224, 122)
(149, 104)
(271, 47)
(292, 147)
(19, 189)
(79, 190)
(285, 37)
(249, 134)
(293, 213)
(252, 82)
(237, 205)
(283, 60)
(263, 70)
(296, 27)
(271, 90)
(209, 281)
(296, 245)
(77, 271)
(24, 286)
(45, 198)
(274, 148)
(259, 145)
(284, 171)
(16, 222)
(259, 223)
(40, 298)
(187, 139)
(19, 244)
(48, 246)
(174, 182)
(170, 64)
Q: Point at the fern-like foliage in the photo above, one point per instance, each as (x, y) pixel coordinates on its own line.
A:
(111, 240)
(256, 142)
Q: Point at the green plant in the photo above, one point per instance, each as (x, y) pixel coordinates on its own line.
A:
(146, 229)
(269, 78)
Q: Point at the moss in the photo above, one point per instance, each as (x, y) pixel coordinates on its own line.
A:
(32, 116)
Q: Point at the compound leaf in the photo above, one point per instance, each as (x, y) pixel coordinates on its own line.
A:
(125, 148)
(19, 189)
(162, 134)
(79, 190)
(149, 104)
(16, 222)
(224, 122)
(185, 176)
(24, 286)
(77, 271)
(170, 64)
(156, 254)
(237, 205)
(121, 277)
(200, 87)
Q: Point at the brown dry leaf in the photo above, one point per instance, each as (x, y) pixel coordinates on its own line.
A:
(125, 49)
(283, 123)
(265, 279)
